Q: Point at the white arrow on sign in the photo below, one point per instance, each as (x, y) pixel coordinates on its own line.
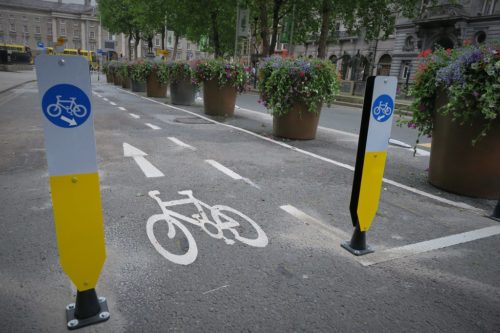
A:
(71, 122)
(149, 169)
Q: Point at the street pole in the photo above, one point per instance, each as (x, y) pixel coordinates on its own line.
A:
(236, 31)
(291, 31)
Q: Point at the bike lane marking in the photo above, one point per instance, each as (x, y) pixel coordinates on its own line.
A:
(429, 245)
(180, 143)
(319, 157)
(336, 233)
(152, 126)
(230, 173)
(133, 115)
(149, 170)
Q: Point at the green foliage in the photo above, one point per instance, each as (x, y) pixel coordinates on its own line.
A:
(226, 74)
(140, 69)
(123, 70)
(283, 82)
(174, 72)
(469, 76)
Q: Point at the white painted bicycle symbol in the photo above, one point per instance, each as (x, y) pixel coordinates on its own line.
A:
(224, 218)
(382, 110)
(77, 110)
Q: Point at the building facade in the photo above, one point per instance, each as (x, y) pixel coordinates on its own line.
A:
(37, 22)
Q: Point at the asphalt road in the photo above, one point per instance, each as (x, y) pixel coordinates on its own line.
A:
(280, 268)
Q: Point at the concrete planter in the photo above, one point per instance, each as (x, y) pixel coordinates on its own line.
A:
(297, 124)
(457, 166)
(182, 92)
(218, 101)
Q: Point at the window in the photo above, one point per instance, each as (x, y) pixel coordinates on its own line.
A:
(63, 31)
(188, 46)
(92, 35)
(157, 41)
(75, 25)
(111, 36)
(37, 19)
(92, 46)
(37, 30)
(13, 26)
(49, 28)
(480, 37)
(25, 18)
(76, 33)
(25, 29)
(92, 25)
(62, 28)
(405, 69)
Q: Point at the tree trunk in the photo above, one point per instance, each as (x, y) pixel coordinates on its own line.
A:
(150, 44)
(163, 39)
(130, 46)
(264, 28)
(215, 34)
(176, 43)
(276, 12)
(137, 38)
(326, 13)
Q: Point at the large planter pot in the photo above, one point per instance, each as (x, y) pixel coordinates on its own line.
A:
(457, 166)
(218, 101)
(117, 80)
(298, 123)
(182, 92)
(153, 86)
(110, 78)
(138, 86)
(126, 83)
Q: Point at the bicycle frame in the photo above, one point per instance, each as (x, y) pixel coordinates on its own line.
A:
(60, 102)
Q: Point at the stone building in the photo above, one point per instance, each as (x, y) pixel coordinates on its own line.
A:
(30, 22)
(447, 23)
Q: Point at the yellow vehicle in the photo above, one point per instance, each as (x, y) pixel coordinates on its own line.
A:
(17, 53)
(89, 55)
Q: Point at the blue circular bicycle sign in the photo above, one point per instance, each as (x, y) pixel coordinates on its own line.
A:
(66, 106)
(383, 108)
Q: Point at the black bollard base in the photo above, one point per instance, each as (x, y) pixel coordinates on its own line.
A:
(357, 245)
(88, 310)
(496, 212)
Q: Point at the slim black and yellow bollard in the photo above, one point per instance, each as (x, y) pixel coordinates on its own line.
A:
(375, 132)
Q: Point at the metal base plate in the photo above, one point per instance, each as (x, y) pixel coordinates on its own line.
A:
(74, 323)
(347, 245)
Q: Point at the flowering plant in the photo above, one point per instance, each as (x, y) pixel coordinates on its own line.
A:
(226, 74)
(140, 69)
(122, 70)
(112, 67)
(471, 78)
(175, 72)
(283, 82)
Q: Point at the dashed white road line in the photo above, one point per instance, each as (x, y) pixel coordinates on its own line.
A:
(322, 158)
(105, 99)
(152, 126)
(133, 115)
(337, 234)
(112, 103)
(180, 143)
(97, 94)
(426, 246)
(122, 108)
(230, 173)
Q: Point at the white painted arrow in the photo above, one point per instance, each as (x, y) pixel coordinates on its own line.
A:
(149, 169)
(71, 122)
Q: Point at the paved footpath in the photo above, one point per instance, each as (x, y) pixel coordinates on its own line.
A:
(8, 80)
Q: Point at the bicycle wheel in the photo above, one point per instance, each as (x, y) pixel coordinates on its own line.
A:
(182, 259)
(54, 110)
(79, 111)
(377, 110)
(220, 214)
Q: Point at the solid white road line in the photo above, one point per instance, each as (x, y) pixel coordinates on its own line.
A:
(309, 220)
(152, 126)
(134, 116)
(230, 173)
(343, 165)
(430, 245)
(147, 168)
(122, 108)
(180, 143)
(112, 103)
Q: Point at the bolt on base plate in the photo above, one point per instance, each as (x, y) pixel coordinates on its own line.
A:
(73, 323)
(347, 245)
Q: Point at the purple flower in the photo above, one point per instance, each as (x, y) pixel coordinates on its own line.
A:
(476, 94)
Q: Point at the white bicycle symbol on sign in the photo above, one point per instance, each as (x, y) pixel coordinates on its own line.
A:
(77, 110)
(221, 221)
(385, 109)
